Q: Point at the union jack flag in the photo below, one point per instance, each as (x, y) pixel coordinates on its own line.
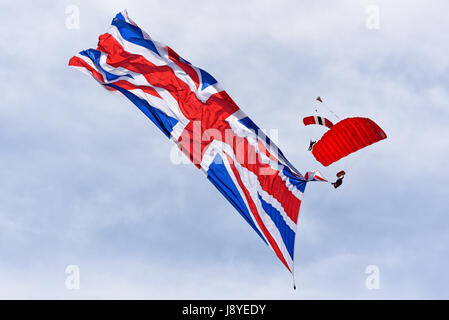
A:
(190, 108)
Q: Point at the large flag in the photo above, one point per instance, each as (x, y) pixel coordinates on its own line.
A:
(189, 107)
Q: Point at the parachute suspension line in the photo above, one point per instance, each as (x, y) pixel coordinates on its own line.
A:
(356, 157)
(293, 264)
(334, 114)
(330, 110)
(293, 277)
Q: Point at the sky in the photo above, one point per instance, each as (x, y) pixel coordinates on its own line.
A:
(86, 179)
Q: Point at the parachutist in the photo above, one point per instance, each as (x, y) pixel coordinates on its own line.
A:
(337, 183)
(311, 145)
(340, 176)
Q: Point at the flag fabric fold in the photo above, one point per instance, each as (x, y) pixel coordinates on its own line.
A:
(188, 105)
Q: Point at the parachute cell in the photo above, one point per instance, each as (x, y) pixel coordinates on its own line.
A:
(346, 137)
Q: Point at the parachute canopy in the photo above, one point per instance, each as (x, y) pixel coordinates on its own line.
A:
(341, 174)
(346, 137)
(317, 120)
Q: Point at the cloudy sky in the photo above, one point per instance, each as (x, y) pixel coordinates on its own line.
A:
(86, 178)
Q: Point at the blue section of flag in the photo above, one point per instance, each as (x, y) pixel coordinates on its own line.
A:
(206, 79)
(132, 33)
(247, 122)
(219, 176)
(163, 121)
(294, 180)
(95, 55)
(287, 234)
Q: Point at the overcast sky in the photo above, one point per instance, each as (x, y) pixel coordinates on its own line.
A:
(86, 178)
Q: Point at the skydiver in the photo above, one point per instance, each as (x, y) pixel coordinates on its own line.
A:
(311, 145)
(338, 182)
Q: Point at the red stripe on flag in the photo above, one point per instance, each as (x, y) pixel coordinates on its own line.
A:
(270, 180)
(184, 66)
(130, 86)
(165, 77)
(78, 62)
(253, 208)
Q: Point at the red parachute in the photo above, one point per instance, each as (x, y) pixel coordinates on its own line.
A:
(344, 138)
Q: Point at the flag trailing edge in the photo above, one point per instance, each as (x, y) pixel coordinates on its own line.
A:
(189, 106)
